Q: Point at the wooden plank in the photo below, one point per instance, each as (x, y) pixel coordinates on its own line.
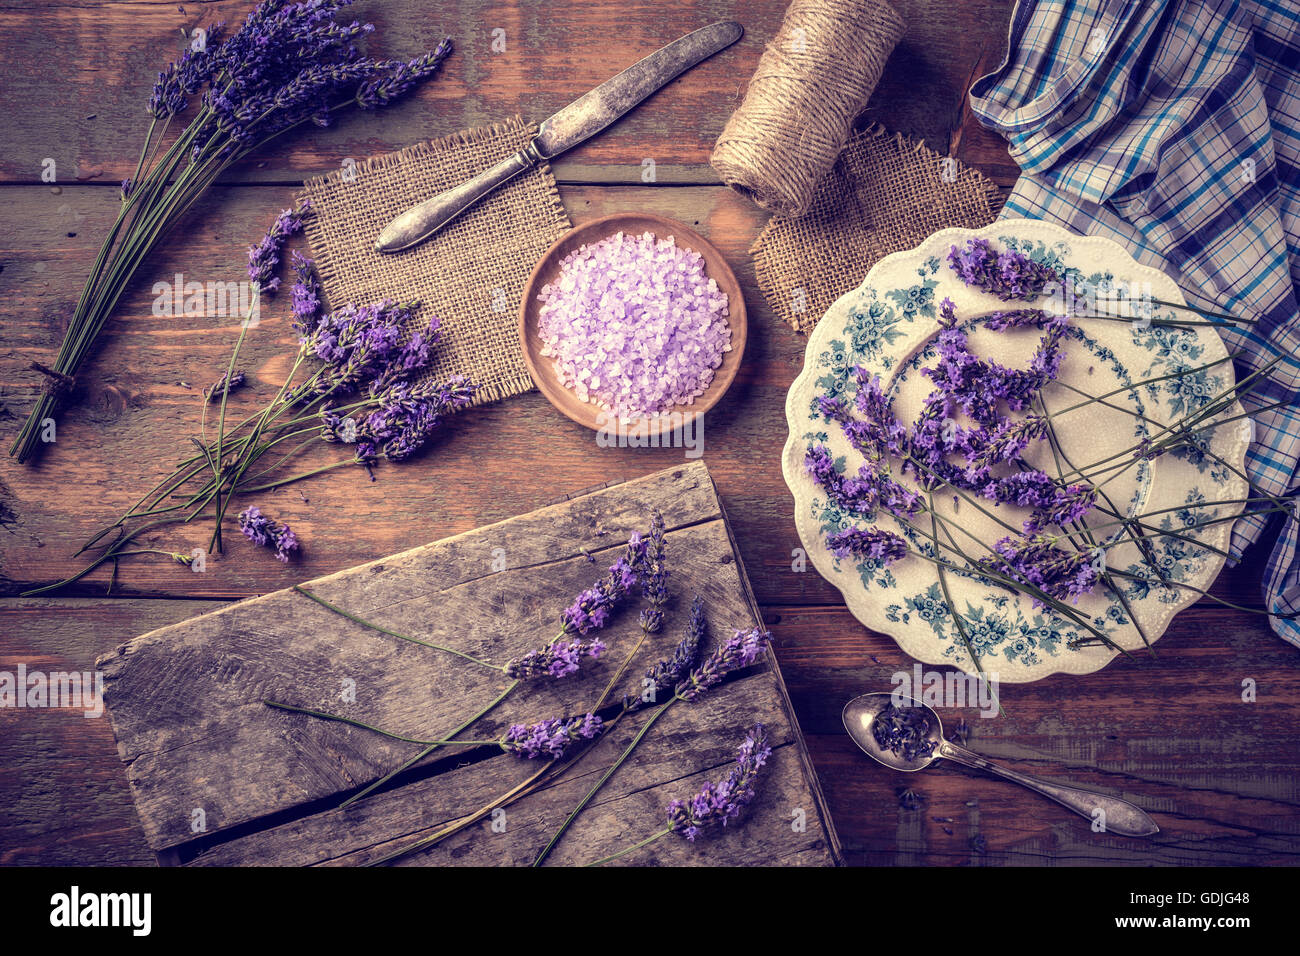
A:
(108, 54)
(187, 701)
(1223, 789)
(64, 799)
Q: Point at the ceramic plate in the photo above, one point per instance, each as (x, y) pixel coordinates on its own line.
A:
(888, 325)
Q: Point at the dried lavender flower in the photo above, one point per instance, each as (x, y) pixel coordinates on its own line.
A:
(560, 658)
(550, 738)
(653, 573)
(718, 804)
(740, 651)
(264, 258)
(221, 387)
(903, 731)
(305, 295)
(871, 544)
(1007, 274)
(1036, 561)
(377, 93)
(266, 532)
(665, 675)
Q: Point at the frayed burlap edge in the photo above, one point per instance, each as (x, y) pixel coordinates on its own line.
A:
(787, 246)
(429, 150)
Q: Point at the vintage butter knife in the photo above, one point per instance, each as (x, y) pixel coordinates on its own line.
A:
(580, 120)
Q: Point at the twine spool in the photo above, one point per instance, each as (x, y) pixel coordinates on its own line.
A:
(812, 81)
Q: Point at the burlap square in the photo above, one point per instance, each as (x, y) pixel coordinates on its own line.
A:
(884, 194)
(470, 274)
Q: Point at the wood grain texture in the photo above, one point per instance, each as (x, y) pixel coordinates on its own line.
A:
(188, 711)
(1173, 735)
(80, 73)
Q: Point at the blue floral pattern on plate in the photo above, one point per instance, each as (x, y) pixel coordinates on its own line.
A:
(1157, 374)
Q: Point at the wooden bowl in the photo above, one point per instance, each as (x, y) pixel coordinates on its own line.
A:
(547, 270)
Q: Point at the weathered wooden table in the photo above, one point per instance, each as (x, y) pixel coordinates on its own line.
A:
(1218, 773)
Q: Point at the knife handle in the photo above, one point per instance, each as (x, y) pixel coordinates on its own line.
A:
(422, 221)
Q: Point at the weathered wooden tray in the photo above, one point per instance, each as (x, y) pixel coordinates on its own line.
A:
(220, 778)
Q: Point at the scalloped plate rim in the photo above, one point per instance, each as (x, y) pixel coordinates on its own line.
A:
(820, 556)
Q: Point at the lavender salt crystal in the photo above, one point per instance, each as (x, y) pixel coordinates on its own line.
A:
(634, 325)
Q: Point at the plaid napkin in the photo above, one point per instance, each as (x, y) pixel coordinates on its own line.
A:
(1174, 129)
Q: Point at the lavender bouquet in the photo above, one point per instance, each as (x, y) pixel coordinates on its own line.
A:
(289, 65)
(354, 382)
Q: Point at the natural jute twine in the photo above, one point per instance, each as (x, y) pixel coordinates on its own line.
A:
(812, 81)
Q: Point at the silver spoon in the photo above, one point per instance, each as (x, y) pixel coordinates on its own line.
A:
(1119, 816)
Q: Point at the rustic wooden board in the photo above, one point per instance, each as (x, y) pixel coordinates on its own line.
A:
(186, 700)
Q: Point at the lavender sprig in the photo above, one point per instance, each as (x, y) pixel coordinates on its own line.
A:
(741, 650)
(718, 804)
(550, 738)
(654, 575)
(264, 258)
(268, 533)
(377, 93)
(558, 659)
(664, 676)
(1007, 274)
(871, 544)
(223, 386)
(591, 609)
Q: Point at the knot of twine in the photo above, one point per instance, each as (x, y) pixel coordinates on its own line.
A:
(812, 81)
(56, 384)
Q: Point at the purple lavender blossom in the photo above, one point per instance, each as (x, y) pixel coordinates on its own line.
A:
(872, 544)
(872, 489)
(222, 387)
(305, 301)
(377, 93)
(358, 344)
(550, 738)
(718, 804)
(409, 415)
(1017, 319)
(266, 532)
(1007, 274)
(558, 659)
(186, 76)
(653, 573)
(664, 676)
(264, 258)
(591, 609)
(1036, 561)
(741, 650)
(127, 186)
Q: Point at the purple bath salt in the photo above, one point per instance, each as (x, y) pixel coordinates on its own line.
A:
(633, 324)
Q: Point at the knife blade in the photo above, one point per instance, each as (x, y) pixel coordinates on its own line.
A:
(580, 120)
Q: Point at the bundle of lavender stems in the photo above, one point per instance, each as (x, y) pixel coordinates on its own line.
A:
(289, 65)
(970, 441)
(357, 381)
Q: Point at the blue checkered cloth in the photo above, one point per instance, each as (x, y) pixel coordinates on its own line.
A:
(1174, 129)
